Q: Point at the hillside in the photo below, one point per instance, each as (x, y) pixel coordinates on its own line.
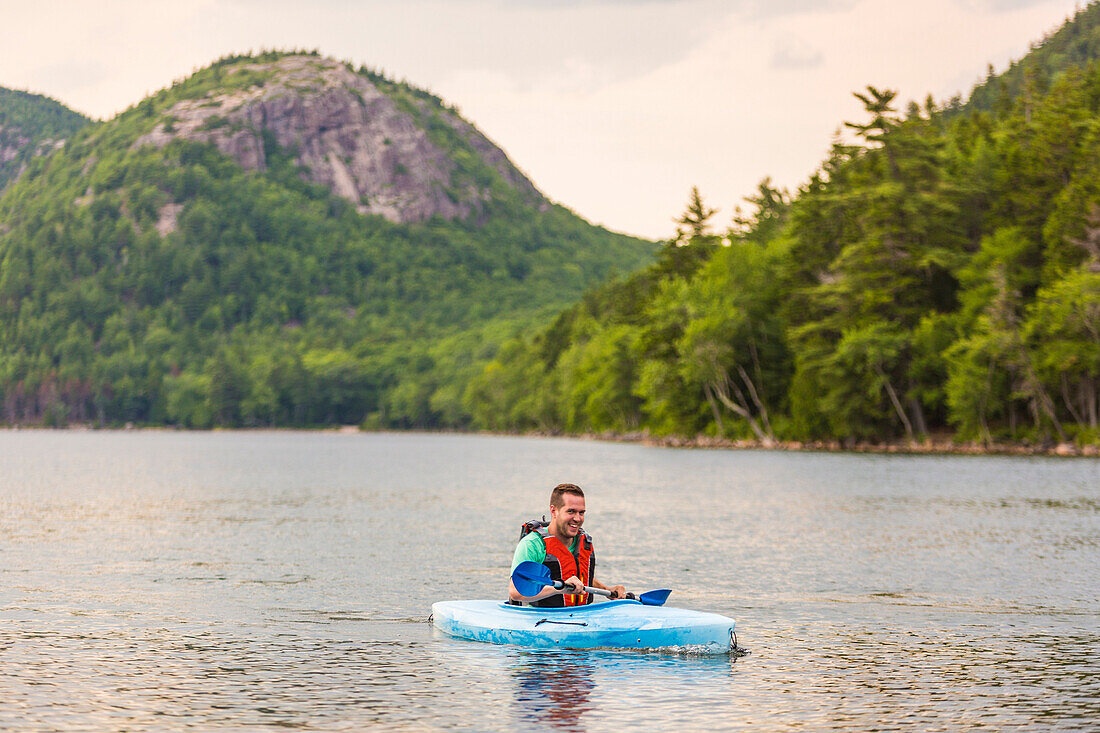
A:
(1074, 45)
(31, 125)
(387, 148)
(277, 240)
(939, 279)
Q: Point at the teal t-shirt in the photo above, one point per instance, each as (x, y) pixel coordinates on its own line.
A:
(531, 548)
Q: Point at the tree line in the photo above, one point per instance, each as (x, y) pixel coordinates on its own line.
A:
(939, 274)
(169, 286)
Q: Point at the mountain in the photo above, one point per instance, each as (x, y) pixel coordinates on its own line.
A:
(938, 279)
(1074, 45)
(31, 125)
(278, 239)
(387, 148)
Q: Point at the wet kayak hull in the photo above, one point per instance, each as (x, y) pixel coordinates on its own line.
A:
(614, 624)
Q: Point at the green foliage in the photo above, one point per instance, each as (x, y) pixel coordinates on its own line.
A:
(270, 302)
(30, 124)
(37, 115)
(1075, 44)
(941, 275)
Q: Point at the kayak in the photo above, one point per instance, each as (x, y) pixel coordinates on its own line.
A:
(620, 624)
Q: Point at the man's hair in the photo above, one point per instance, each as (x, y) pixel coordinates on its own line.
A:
(556, 495)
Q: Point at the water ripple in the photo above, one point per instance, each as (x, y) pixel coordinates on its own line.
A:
(170, 581)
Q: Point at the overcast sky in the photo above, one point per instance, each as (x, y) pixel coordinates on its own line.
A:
(614, 108)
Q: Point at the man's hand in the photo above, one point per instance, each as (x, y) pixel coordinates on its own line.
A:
(617, 592)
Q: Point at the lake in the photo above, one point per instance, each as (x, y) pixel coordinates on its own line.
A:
(166, 580)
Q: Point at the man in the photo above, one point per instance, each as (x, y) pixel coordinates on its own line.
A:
(565, 549)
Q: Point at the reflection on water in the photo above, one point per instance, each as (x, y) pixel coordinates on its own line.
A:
(553, 689)
(161, 581)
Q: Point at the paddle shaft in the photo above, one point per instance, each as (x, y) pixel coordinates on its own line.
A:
(529, 578)
(558, 585)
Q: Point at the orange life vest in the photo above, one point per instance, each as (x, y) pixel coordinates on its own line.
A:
(564, 564)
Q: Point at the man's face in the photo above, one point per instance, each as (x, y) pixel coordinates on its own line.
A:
(569, 516)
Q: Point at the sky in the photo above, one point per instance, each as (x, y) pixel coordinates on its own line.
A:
(614, 108)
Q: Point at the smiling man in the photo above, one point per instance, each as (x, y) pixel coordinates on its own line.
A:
(563, 547)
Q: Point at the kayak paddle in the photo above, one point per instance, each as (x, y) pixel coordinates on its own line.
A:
(531, 577)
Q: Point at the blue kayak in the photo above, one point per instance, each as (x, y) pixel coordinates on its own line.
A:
(614, 624)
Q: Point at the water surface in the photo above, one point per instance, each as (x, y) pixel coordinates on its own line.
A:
(162, 580)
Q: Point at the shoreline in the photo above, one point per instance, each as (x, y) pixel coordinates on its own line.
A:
(942, 445)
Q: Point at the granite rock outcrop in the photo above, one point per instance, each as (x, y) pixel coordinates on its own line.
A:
(348, 133)
(17, 148)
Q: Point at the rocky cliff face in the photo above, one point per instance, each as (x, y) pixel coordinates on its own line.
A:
(378, 150)
(31, 125)
(12, 143)
(17, 148)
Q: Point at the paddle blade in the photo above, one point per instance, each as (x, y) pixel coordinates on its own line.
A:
(530, 578)
(654, 597)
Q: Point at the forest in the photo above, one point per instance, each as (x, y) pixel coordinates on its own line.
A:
(937, 277)
(27, 122)
(269, 301)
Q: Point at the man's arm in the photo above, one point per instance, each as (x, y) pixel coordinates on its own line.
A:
(531, 549)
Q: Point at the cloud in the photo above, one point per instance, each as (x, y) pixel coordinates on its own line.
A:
(794, 53)
(1000, 6)
(589, 42)
(614, 107)
(544, 4)
(757, 8)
